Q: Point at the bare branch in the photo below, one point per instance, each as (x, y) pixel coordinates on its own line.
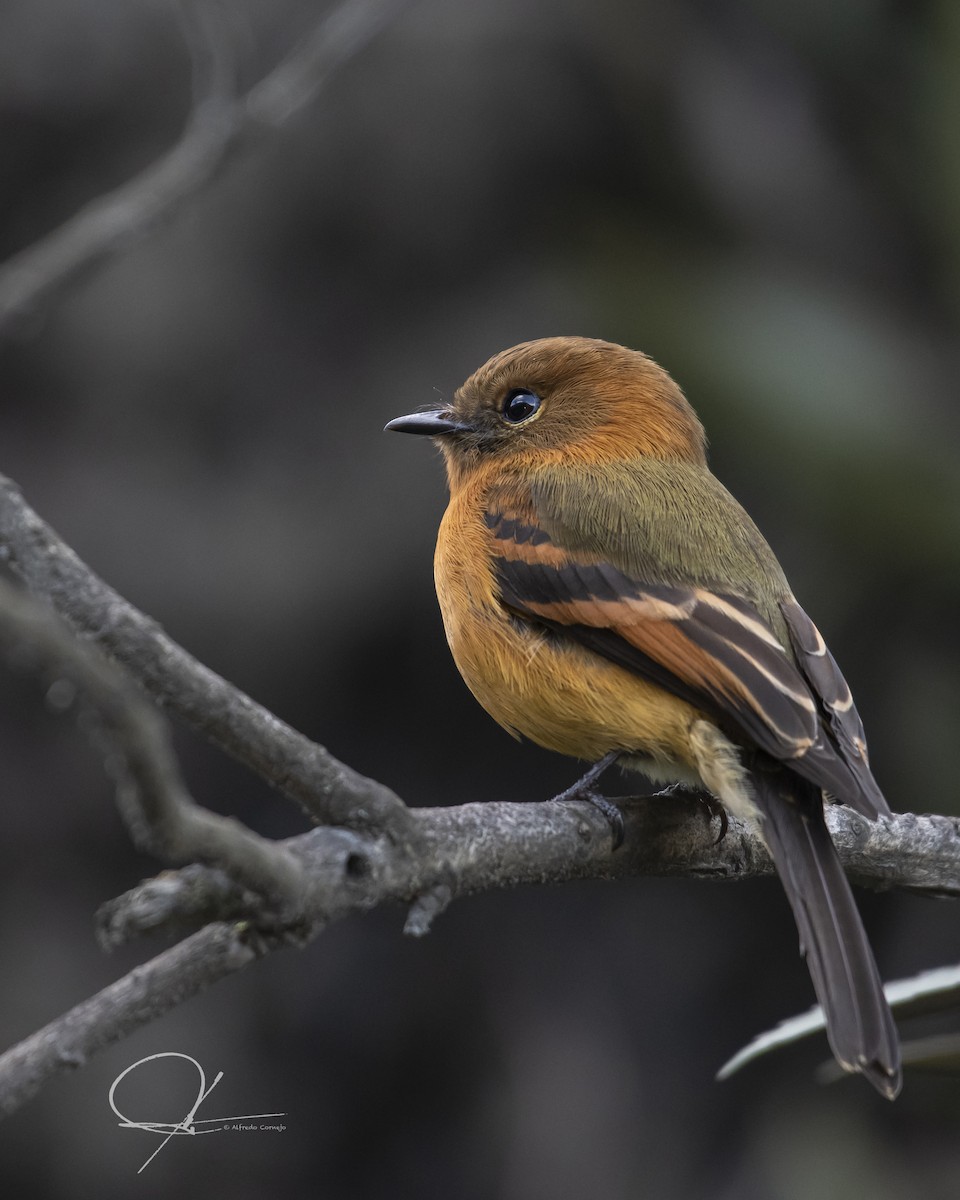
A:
(160, 813)
(474, 848)
(211, 50)
(218, 125)
(328, 790)
(466, 849)
(135, 1000)
(295, 82)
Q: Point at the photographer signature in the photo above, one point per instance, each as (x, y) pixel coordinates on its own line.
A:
(188, 1125)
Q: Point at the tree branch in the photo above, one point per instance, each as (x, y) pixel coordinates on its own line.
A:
(138, 998)
(473, 848)
(219, 125)
(159, 812)
(467, 849)
(328, 791)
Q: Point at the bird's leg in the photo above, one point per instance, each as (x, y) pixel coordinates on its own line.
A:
(583, 790)
(584, 785)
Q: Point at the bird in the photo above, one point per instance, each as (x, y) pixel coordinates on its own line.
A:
(606, 597)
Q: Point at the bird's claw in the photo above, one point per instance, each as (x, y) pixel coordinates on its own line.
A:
(714, 809)
(712, 806)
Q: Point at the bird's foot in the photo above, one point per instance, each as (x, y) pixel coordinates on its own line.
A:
(583, 790)
(711, 805)
(713, 808)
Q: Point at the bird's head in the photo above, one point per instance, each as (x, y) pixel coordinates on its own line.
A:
(562, 399)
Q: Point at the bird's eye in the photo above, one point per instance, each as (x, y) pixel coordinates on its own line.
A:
(520, 405)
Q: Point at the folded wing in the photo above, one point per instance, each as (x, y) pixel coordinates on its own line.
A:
(711, 648)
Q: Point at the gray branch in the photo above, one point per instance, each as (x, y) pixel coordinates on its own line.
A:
(473, 848)
(138, 998)
(329, 791)
(467, 849)
(220, 124)
(159, 812)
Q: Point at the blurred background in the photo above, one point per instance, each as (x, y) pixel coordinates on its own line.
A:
(765, 197)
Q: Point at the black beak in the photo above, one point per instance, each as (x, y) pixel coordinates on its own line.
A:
(429, 423)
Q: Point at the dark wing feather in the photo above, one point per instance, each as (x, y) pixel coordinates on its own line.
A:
(712, 649)
(842, 720)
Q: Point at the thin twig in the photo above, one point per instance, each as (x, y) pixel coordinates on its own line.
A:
(329, 791)
(292, 85)
(219, 124)
(208, 38)
(162, 817)
(146, 993)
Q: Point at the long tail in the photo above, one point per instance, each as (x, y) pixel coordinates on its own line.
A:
(860, 1026)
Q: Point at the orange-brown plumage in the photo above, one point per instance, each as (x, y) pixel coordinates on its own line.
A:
(599, 419)
(602, 592)
(563, 698)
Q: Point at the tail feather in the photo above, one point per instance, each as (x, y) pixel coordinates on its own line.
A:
(860, 1026)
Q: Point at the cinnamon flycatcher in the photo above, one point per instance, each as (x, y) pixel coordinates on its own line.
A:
(605, 596)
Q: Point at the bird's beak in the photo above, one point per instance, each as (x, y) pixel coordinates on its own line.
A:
(431, 424)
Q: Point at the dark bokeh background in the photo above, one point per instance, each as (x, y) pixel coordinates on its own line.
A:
(763, 195)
